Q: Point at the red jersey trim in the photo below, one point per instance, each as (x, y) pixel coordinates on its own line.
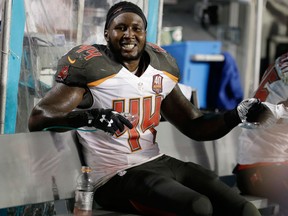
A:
(247, 166)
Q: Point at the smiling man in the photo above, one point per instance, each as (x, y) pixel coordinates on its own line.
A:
(98, 84)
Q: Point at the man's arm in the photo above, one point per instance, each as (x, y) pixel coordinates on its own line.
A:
(192, 122)
(53, 109)
(198, 126)
(56, 112)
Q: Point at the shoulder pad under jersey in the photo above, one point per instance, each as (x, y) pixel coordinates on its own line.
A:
(84, 64)
(162, 60)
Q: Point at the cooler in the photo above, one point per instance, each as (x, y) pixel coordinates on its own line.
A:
(193, 59)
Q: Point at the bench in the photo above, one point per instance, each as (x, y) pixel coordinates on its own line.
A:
(32, 167)
(38, 168)
(41, 167)
(266, 207)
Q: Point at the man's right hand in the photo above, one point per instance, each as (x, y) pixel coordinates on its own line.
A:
(107, 120)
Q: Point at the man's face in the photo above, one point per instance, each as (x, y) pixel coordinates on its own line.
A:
(126, 36)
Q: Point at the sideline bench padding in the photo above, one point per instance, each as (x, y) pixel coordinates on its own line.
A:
(37, 167)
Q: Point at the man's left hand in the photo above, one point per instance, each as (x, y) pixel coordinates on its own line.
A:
(253, 113)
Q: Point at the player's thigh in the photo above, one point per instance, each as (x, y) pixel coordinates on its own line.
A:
(206, 182)
(164, 192)
(191, 174)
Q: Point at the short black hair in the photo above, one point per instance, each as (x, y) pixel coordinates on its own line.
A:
(123, 7)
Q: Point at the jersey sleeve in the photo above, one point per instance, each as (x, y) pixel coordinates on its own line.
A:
(84, 64)
(162, 60)
(272, 86)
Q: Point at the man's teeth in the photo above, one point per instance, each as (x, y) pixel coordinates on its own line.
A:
(128, 46)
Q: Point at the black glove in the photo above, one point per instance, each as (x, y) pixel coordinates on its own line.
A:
(107, 120)
(249, 112)
(252, 110)
(257, 113)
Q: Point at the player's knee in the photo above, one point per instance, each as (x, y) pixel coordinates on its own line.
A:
(249, 210)
(201, 207)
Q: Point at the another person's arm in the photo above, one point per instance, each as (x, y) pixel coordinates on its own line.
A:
(275, 82)
(279, 111)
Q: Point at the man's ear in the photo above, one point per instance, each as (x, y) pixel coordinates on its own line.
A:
(106, 35)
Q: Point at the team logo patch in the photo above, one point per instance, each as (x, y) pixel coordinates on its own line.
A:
(62, 75)
(157, 84)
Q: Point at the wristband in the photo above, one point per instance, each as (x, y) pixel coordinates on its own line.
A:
(82, 118)
(90, 118)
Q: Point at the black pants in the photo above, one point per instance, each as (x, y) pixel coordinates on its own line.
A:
(266, 181)
(175, 186)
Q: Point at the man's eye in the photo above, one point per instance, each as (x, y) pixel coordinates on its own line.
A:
(137, 29)
(120, 28)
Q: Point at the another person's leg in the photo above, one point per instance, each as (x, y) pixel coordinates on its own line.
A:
(266, 181)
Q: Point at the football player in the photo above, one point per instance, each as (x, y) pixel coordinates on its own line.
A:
(263, 152)
(97, 85)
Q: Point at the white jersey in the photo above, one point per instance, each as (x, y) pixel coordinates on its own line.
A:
(267, 144)
(121, 90)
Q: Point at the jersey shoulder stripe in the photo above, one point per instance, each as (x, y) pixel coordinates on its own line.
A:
(174, 78)
(98, 82)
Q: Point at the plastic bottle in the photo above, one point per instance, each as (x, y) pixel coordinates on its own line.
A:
(84, 193)
(132, 118)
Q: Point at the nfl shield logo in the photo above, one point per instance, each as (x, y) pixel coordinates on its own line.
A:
(157, 84)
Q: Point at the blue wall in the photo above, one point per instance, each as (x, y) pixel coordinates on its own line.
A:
(153, 19)
(14, 63)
